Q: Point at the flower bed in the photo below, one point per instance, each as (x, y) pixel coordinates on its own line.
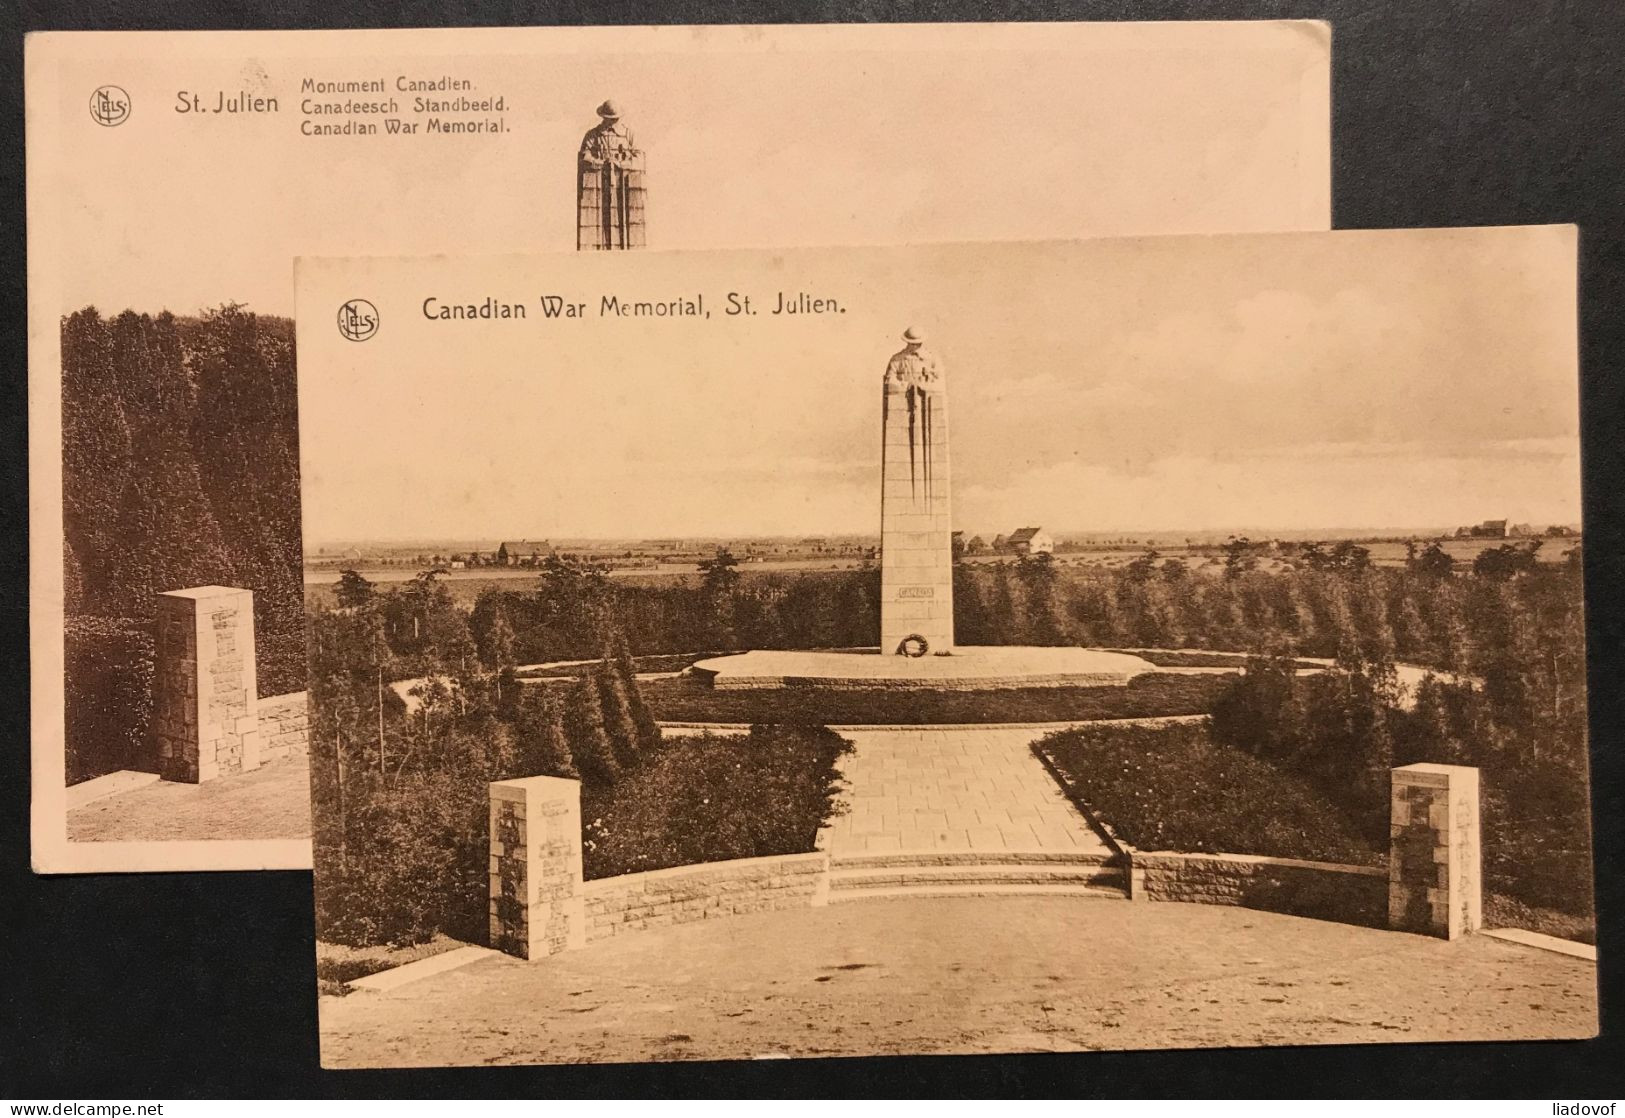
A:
(1172, 788)
(713, 798)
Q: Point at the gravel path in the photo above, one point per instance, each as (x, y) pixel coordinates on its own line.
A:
(272, 802)
(967, 976)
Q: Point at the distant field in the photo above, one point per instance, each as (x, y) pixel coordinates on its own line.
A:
(1392, 552)
(1384, 553)
(466, 585)
(326, 576)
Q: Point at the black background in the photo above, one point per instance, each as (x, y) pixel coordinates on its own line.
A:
(1446, 112)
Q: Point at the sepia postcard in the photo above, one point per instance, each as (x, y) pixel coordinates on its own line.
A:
(173, 178)
(1131, 643)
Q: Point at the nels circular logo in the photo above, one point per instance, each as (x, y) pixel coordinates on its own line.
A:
(109, 106)
(358, 320)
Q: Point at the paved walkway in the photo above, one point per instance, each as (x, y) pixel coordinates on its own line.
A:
(966, 976)
(272, 802)
(953, 789)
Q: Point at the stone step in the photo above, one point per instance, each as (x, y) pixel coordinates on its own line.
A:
(1085, 892)
(843, 879)
(840, 862)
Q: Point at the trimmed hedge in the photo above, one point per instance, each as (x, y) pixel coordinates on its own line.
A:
(1174, 788)
(1150, 695)
(107, 681)
(660, 662)
(107, 700)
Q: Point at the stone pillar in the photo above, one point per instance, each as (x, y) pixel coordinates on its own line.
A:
(916, 531)
(536, 889)
(205, 692)
(1435, 882)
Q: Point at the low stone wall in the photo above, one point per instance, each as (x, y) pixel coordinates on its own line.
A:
(1430, 882)
(687, 729)
(284, 726)
(928, 683)
(684, 894)
(1322, 890)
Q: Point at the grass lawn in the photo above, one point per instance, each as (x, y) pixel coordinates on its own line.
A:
(1150, 695)
(337, 965)
(1502, 911)
(1173, 788)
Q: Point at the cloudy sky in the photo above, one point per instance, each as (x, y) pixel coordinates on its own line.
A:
(1295, 381)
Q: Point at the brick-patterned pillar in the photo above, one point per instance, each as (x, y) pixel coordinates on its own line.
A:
(1435, 879)
(205, 692)
(536, 889)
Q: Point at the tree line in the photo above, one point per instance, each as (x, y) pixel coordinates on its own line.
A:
(1510, 632)
(399, 783)
(1515, 627)
(1344, 729)
(1508, 640)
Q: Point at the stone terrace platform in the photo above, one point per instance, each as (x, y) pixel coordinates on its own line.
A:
(953, 975)
(272, 802)
(973, 668)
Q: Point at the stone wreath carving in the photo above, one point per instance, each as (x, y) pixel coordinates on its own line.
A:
(913, 646)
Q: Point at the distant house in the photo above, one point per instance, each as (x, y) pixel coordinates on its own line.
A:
(975, 545)
(1486, 530)
(1030, 541)
(1000, 543)
(522, 553)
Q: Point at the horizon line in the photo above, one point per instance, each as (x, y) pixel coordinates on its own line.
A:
(1263, 532)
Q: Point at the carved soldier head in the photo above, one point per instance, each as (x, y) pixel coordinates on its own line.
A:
(610, 111)
(913, 338)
